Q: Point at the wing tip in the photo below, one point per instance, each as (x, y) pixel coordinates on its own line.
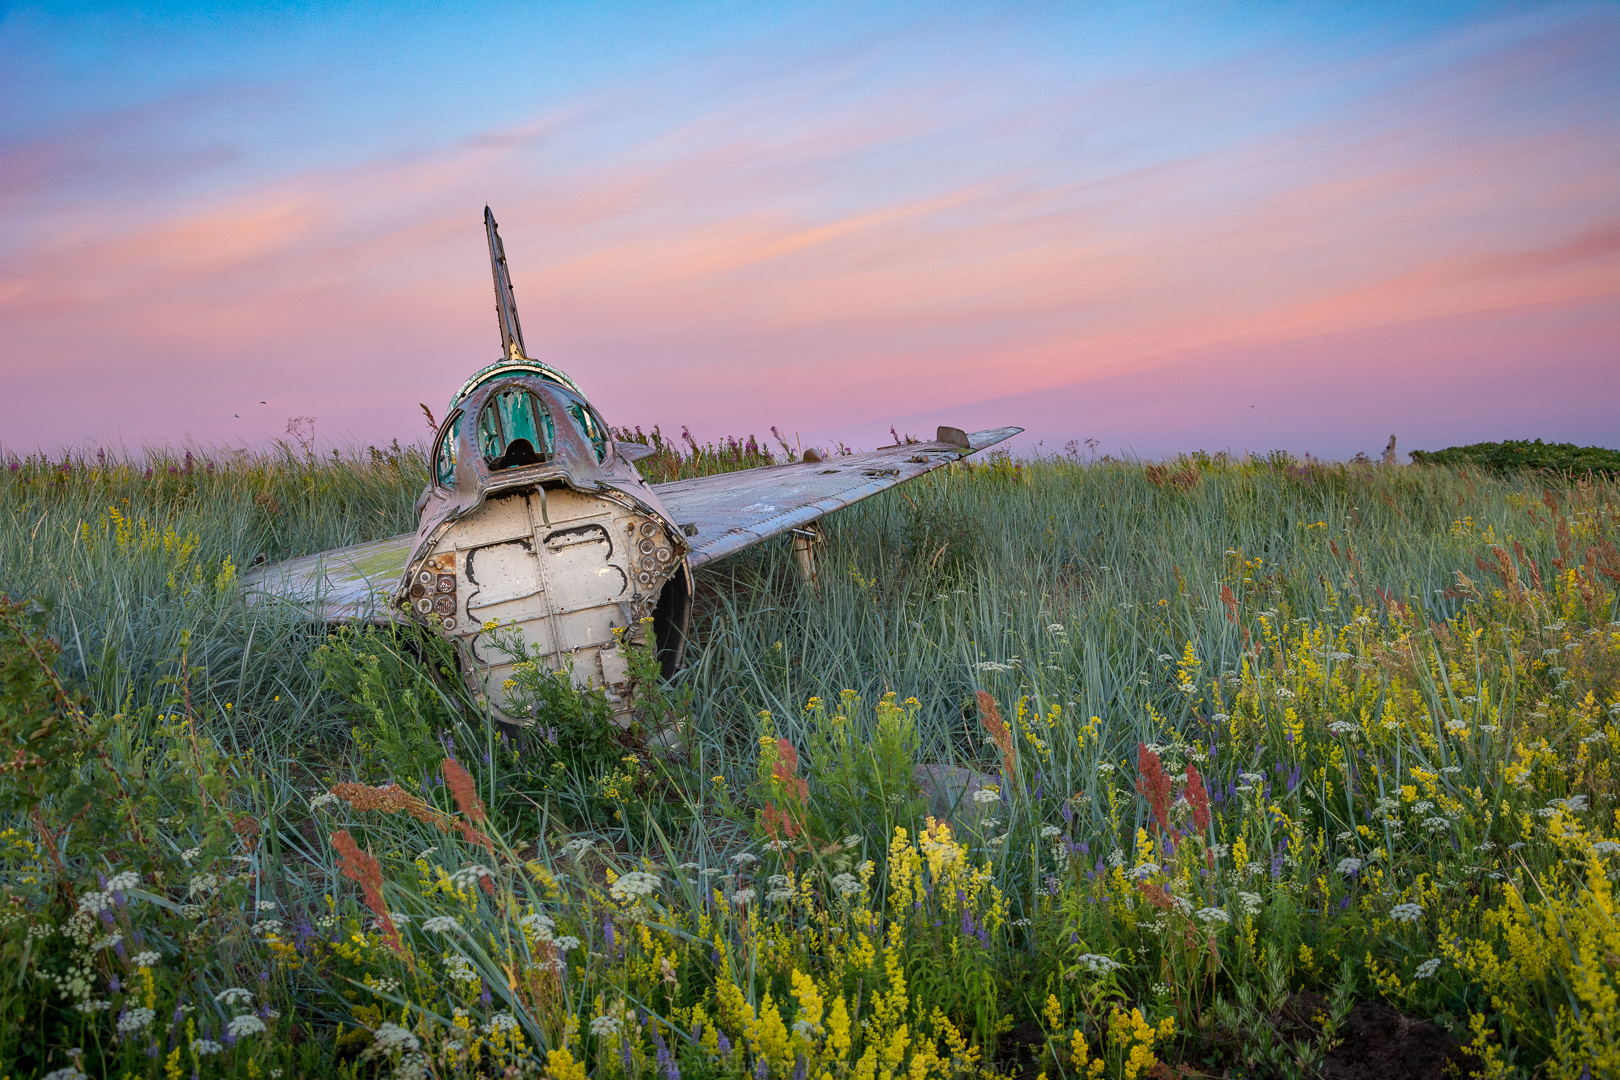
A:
(990, 436)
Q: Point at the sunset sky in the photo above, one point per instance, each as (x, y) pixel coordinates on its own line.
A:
(1244, 227)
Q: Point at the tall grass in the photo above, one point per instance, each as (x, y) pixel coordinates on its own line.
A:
(130, 552)
(1078, 578)
(967, 566)
(1237, 616)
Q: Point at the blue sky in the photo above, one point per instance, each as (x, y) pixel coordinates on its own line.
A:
(831, 218)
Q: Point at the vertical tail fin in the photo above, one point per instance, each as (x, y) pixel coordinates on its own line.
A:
(505, 303)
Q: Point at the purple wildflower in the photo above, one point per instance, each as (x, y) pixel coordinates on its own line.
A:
(971, 927)
(666, 1062)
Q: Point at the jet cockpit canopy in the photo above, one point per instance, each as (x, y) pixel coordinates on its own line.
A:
(523, 421)
(509, 366)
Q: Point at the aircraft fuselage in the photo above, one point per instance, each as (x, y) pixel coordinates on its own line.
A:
(539, 539)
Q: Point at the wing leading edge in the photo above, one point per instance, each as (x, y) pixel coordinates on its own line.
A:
(728, 512)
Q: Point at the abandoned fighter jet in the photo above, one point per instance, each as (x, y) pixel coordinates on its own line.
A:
(536, 518)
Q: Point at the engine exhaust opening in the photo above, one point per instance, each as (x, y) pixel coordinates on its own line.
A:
(672, 620)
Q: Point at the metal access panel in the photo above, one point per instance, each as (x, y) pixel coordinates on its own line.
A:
(559, 569)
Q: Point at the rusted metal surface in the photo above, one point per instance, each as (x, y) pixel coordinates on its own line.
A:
(505, 302)
(536, 522)
(807, 544)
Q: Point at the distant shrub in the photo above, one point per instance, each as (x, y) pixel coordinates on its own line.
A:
(1515, 454)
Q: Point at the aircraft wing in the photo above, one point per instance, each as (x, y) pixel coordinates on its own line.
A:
(345, 583)
(725, 513)
(720, 515)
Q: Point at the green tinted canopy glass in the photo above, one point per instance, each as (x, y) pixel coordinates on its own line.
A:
(594, 431)
(446, 461)
(509, 416)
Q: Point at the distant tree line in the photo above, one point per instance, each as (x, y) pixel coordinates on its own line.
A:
(1512, 455)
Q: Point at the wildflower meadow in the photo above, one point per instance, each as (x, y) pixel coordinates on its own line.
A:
(1065, 769)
